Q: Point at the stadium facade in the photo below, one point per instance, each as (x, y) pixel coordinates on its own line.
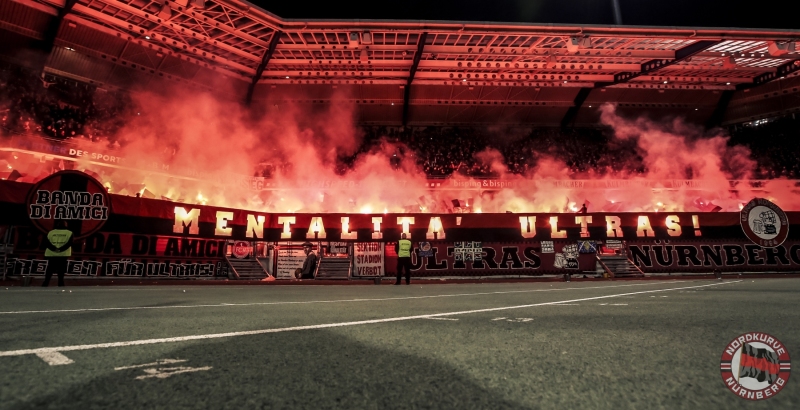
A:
(398, 73)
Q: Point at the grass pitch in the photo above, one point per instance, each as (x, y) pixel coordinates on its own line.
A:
(598, 345)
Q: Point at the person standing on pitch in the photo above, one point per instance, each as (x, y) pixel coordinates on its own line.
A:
(403, 249)
(59, 248)
(310, 264)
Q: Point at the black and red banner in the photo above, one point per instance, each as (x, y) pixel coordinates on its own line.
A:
(122, 267)
(706, 255)
(124, 255)
(469, 258)
(71, 196)
(138, 236)
(128, 245)
(158, 217)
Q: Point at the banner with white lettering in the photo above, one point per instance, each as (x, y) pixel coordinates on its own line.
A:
(726, 256)
(152, 268)
(368, 259)
(488, 259)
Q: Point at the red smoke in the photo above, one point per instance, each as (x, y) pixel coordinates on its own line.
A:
(195, 148)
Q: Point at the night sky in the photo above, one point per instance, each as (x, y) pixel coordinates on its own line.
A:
(695, 13)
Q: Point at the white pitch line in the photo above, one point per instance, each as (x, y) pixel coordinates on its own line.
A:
(322, 326)
(156, 363)
(160, 374)
(439, 318)
(17, 312)
(54, 358)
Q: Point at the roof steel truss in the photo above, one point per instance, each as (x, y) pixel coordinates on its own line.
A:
(235, 36)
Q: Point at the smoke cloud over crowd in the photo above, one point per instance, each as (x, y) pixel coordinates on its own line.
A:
(195, 148)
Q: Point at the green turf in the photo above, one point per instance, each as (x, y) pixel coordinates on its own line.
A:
(654, 352)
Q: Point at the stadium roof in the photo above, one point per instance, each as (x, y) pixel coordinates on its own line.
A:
(415, 72)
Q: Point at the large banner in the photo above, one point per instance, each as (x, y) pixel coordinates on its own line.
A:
(125, 245)
(705, 256)
(157, 217)
(496, 259)
(145, 237)
(120, 254)
(122, 267)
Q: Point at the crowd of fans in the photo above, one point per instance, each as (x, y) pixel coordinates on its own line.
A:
(445, 151)
(771, 145)
(477, 152)
(38, 103)
(57, 107)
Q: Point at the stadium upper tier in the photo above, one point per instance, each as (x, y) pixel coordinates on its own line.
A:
(411, 72)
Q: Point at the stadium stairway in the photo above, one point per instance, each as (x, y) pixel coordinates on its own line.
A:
(334, 268)
(247, 269)
(619, 266)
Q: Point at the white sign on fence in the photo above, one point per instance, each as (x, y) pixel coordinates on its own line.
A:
(368, 258)
(290, 257)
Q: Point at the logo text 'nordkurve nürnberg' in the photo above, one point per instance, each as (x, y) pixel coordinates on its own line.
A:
(755, 366)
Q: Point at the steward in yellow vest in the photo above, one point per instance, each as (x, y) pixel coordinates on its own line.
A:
(59, 243)
(59, 248)
(403, 249)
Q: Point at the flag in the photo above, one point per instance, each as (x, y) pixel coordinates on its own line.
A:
(760, 364)
(587, 247)
(14, 175)
(706, 206)
(612, 206)
(426, 204)
(447, 207)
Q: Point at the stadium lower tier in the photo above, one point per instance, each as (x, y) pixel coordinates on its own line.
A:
(120, 236)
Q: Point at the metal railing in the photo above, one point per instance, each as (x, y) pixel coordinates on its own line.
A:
(232, 269)
(604, 266)
(6, 248)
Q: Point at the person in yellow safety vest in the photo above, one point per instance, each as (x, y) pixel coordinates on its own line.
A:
(59, 248)
(403, 249)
